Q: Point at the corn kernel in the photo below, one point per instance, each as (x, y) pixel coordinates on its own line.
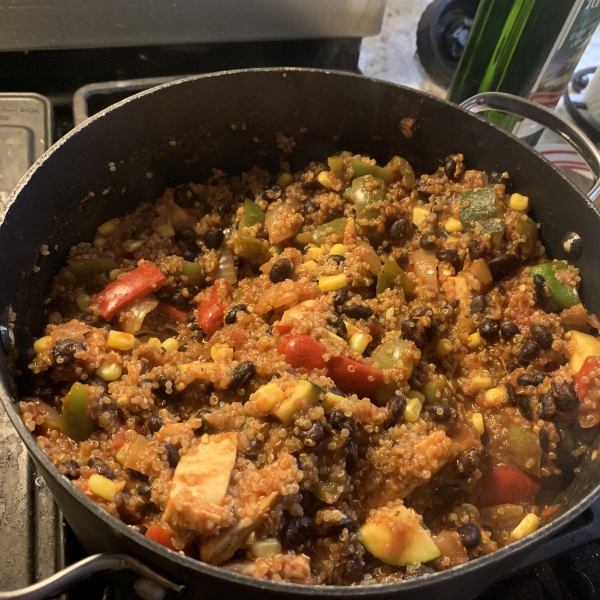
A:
(417, 395)
(528, 525)
(412, 410)
(311, 265)
(336, 164)
(339, 249)
(163, 226)
(170, 345)
(42, 344)
(267, 396)
(419, 215)
(114, 274)
(83, 301)
(154, 343)
(119, 340)
(109, 371)
(99, 242)
(132, 245)
(107, 228)
(285, 179)
(335, 338)
(477, 420)
(200, 370)
(314, 253)
(481, 382)
(332, 283)
(263, 548)
(443, 347)
(104, 487)
(324, 178)
(359, 341)
(332, 400)
(452, 225)
(518, 202)
(495, 396)
(55, 318)
(223, 352)
(474, 341)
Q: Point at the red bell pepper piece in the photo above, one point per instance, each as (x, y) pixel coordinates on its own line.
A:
(283, 328)
(302, 352)
(354, 377)
(117, 250)
(211, 313)
(128, 287)
(590, 364)
(161, 535)
(171, 312)
(507, 485)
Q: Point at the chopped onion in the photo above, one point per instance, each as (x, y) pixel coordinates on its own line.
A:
(481, 270)
(132, 316)
(371, 258)
(283, 220)
(226, 269)
(426, 267)
(276, 296)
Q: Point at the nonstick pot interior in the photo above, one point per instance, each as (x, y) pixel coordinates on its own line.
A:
(232, 121)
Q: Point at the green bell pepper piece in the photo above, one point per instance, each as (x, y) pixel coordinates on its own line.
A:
(336, 164)
(402, 169)
(361, 169)
(388, 354)
(367, 194)
(527, 228)
(384, 392)
(252, 215)
(564, 296)
(249, 247)
(387, 276)
(328, 492)
(481, 206)
(320, 234)
(193, 272)
(523, 446)
(100, 263)
(431, 388)
(76, 421)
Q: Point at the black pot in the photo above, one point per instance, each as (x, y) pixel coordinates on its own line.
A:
(176, 133)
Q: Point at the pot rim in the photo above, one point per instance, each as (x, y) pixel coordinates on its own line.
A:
(197, 567)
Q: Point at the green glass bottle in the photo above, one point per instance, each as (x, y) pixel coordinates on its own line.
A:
(524, 47)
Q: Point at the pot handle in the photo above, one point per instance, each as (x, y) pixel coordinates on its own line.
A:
(151, 586)
(548, 118)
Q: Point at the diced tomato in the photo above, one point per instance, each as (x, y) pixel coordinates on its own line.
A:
(302, 352)
(590, 364)
(128, 287)
(507, 485)
(211, 313)
(171, 312)
(118, 440)
(238, 336)
(354, 377)
(283, 328)
(117, 251)
(161, 535)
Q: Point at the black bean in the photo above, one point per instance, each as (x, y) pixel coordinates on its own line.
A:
(496, 177)
(238, 263)
(188, 235)
(43, 393)
(449, 167)
(337, 258)
(423, 570)
(414, 332)
(511, 365)
(530, 378)
(511, 394)
(144, 491)
(340, 297)
(352, 571)
(338, 324)
(468, 461)
(395, 407)
(337, 391)
(313, 436)
(274, 192)
(503, 265)
(338, 420)
(231, 316)
(214, 238)
(356, 311)
(184, 197)
(529, 350)
(401, 228)
(440, 413)
(452, 257)
(470, 536)
(335, 528)
(545, 440)
(524, 405)
(351, 456)
(254, 449)
(178, 300)
(154, 424)
(171, 453)
(100, 467)
(478, 248)
(572, 245)
(488, 328)
(543, 300)
(542, 336)
(546, 407)
(242, 374)
(65, 350)
(309, 181)
(71, 469)
(508, 331)
(297, 532)
(477, 304)
(281, 270)
(190, 255)
(446, 496)
(566, 396)
(427, 241)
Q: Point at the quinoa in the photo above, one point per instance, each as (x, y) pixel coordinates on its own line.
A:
(262, 371)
